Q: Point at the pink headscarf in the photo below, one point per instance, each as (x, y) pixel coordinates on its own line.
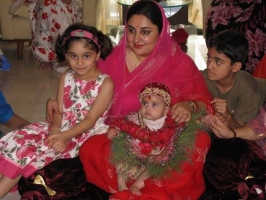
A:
(166, 64)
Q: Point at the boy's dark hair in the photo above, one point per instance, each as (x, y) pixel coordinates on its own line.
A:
(63, 42)
(231, 43)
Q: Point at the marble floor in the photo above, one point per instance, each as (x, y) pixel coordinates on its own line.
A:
(27, 88)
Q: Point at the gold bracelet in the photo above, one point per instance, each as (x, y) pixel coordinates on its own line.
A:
(194, 106)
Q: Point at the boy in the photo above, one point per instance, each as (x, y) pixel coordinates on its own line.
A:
(237, 94)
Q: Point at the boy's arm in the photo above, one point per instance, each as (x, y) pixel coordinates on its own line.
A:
(222, 111)
(98, 107)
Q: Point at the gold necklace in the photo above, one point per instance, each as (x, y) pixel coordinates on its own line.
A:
(134, 58)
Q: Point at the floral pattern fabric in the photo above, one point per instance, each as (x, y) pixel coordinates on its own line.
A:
(258, 125)
(247, 17)
(25, 151)
(50, 18)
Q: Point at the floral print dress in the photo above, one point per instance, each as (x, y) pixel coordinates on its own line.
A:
(26, 150)
(247, 17)
(50, 18)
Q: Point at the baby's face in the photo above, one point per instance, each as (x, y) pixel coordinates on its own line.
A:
(153, 107)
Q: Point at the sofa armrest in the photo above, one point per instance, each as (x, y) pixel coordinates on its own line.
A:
(6, 20)
(23, 11)
(15, 26)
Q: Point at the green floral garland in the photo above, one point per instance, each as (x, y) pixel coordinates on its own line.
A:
(182, 145)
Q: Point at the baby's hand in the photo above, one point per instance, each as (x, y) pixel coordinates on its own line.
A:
(111, 132)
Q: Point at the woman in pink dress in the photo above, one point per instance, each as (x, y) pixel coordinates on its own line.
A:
(147, 53)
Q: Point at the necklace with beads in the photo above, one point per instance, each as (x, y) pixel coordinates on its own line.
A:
(134, 58)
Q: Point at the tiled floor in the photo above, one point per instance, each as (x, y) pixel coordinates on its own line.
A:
(27, 88)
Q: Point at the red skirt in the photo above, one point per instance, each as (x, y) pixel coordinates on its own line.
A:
(186, 184)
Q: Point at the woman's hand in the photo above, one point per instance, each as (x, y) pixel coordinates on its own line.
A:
(181, 112)
(67, 1)
(51, 107)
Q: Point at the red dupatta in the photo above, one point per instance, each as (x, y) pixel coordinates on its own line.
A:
(167, 64)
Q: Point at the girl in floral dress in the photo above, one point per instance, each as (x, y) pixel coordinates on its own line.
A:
(84, 96)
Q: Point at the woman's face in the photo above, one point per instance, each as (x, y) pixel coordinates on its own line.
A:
(142, 35)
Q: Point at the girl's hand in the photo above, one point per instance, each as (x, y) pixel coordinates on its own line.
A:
(181, 112)
(67, 1)
(51, 107)
(57, 141)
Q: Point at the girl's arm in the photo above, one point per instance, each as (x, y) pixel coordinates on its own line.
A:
(244, 132)
(57, 116)
(99, 106)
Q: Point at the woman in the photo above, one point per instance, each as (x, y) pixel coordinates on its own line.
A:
(147, 53)
(49, 18)
(247, 17)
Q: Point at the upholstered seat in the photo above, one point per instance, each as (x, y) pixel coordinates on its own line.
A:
(16, 27)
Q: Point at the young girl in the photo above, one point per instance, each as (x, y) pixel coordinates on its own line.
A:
(84, 96)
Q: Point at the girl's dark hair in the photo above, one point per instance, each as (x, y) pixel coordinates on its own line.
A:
(149, 9)
(63, 42)
(231, 43)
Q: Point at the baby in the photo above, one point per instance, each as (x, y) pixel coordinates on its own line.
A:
(155, 101)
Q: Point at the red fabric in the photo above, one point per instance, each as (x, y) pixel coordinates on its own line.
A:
(180, 35)
(260, 70)
(187, 184)
(167, 64)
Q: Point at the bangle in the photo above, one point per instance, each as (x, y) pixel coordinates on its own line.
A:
(194, 106)
(234, 132)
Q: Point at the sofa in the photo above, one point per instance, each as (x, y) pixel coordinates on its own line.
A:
(16, 28)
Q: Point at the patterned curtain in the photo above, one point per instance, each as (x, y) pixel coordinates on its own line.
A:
(195, 13)
(109, 15)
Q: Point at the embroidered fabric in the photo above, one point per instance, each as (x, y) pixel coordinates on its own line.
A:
(154, 125)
